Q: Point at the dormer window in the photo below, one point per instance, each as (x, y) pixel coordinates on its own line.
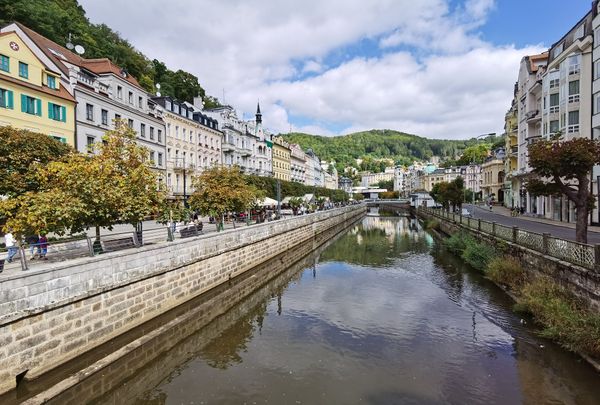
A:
(52, 82)
(557, 50)
(580, 31)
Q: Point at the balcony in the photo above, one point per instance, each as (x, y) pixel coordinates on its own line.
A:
(533, 116)
(245, 151)
(228, 147)
(514, 150)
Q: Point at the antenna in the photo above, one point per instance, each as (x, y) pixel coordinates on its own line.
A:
(79, 49)
(224, 103)
(69, 43)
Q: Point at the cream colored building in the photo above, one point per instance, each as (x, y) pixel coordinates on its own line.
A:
(297, 163)
(186, 134)
(281, 159)
(492, 174)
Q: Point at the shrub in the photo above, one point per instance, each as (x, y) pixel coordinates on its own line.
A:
(458, 242)
(431, 223)
(506, 270)
(478, 254)
(563, 316)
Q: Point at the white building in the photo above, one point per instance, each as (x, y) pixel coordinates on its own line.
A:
(104, 92)
(297, 163)
(314, 172)
(371, 179)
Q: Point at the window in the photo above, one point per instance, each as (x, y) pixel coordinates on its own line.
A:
(119, 92)
(160, 159)
(52, 82)
(4, 63)
(159, 135)
(143, 130)
(152, 133)
(574, 91)
(597, 103)
(117, 117)
(130, 97)
(554, 83)
(557, 50)
(574, 64)
(573, 122)
(24, 70)
(580, 31)
(90, 144)
(104, 116)
(6, 99)
(152, 157)
(57, 112)
(140, 102)
(89, 112)
(553, 126)
(176, 132)
(130, 123)
(31, 105)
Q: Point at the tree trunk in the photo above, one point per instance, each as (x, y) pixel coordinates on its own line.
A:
(582, 223)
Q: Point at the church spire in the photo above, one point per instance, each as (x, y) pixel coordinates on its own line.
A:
(258, 114)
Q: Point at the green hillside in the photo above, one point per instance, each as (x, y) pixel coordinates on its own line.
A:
(378, 144)
(56, 19)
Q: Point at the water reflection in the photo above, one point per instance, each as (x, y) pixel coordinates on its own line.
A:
(422, 328)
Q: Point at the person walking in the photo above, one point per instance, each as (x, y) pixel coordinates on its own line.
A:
(11, 246)
(32, 241)
(43, 247)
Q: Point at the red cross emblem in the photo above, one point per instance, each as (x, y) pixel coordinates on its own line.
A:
(14, 46)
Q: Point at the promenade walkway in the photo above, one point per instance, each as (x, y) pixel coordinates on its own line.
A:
(558, 229)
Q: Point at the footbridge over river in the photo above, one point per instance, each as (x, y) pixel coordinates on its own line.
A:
(389, 203)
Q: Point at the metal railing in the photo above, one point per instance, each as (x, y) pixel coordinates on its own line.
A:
(580, 254)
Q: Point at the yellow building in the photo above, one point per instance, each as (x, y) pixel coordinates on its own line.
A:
(492, 171)
(281, 159)
(511, 181)
(31, 95)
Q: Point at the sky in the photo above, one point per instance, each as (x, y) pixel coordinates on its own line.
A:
(434, 68)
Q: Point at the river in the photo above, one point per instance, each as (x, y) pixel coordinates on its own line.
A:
(382, 315)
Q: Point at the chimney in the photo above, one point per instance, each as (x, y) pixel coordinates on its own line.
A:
(198, 103)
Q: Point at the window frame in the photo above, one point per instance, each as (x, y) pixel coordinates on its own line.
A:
(23, 70)
(4, 63)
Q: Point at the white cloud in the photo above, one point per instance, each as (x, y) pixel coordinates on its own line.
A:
(453, 85)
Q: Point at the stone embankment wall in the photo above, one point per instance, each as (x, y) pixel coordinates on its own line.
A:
(584, 282)
(51, 316)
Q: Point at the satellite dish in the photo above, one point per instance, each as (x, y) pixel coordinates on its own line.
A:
(157, 94)
(79, 49)
(158, 85)
(70, 46)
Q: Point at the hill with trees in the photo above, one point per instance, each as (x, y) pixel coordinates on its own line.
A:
(374, 145)
(57, 19)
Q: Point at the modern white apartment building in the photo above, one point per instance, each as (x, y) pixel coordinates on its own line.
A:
(104, 92)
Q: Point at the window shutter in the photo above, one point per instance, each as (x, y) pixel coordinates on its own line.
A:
(38, 107)
(50, 111)
(23, 103)
(9, 99)
(63, 114)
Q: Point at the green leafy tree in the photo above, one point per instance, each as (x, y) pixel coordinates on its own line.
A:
(564, 167)
(220, 190)
(450, 194)
(22, 155)
(115, 185)
(387, 184)
(474, 154)
(295, 204)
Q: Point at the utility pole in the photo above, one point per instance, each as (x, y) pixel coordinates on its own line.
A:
(278, 198)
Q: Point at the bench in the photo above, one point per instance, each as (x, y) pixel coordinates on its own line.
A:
(112, 245)
(190, 231)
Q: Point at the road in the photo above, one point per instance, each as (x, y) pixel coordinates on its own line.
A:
(530, 225)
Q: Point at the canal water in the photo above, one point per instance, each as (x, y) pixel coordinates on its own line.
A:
(382, 315)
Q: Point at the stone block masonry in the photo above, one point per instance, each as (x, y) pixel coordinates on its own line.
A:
(51, 316)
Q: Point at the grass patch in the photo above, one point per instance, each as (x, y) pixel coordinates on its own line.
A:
(563, 317)
(431, 224)
(506, 270)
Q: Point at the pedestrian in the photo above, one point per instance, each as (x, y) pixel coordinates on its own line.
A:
(34, 247)
(43, 246)
(11, 246)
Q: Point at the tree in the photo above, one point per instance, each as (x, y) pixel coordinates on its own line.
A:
(474, 154)
(295, 204)
(116, 185)
(449, 193)
(22, 155)
(387, 184)
(564, 167)
(220, 190)
(358, 196)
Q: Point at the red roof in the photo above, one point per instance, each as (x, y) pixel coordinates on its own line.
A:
(62, 54)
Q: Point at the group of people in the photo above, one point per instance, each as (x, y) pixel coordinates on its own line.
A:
(38, 246)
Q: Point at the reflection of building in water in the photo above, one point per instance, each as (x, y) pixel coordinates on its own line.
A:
(395, 227)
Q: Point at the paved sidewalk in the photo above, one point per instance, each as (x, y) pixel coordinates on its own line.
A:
(507, 213)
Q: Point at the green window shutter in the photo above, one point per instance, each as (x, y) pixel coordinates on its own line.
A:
(23, 103)
(50, 110)
(9, 99)
(63, 114)
(38, 107)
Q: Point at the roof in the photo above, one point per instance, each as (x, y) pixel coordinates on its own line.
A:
(541, 57)
(59, 54)
(60, 93)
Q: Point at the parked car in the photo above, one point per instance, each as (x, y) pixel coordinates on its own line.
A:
(465, 212)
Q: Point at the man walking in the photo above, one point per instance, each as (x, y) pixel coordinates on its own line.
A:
(11, 246)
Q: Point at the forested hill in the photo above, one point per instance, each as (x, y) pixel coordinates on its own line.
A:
(401, 147)
(56, 19)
